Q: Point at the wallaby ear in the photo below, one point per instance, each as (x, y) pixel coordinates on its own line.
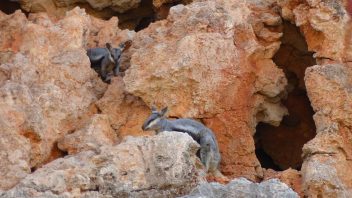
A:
(163, 111)
(108, 45)
(154, 108)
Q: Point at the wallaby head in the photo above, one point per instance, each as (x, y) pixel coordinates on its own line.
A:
(153, 122)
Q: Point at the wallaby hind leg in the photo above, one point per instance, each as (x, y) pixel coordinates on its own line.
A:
(205, 156)
(104, 68)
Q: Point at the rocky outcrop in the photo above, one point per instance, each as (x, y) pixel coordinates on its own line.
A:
(205, 61)
(62, 6)
(126, 112)
(242, 187)
(159, 166)
(47, 87)
(291, 177)
(209, 60)
(327, 157)
(95, 134)
(325, 26)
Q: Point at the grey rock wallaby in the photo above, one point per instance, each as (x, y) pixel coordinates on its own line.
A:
(209, 151)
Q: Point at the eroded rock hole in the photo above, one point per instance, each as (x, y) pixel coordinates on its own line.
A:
(280, 147)
(146, 13)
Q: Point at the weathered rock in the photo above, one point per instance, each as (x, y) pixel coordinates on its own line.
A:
(14, 155)
(205, 61)
(47, 87)
(242, 187)
(102, 32)
(159, 166)
(126, 112)
(290, 177)
(159, 3)
(327, 158)
(56, 6)
(325, 25)
(95, 134)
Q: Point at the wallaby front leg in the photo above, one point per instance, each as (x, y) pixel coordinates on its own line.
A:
(104, 67)
(205, 156)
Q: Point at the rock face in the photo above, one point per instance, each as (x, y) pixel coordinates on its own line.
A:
(242, 187)
(290, 177)
(47, 87)
(328, 156)
(326, 27)
(159, 166)
(324, 24)
(65, 5)
(126, 112)
(96, 134)
(205, 61)
(209, 60)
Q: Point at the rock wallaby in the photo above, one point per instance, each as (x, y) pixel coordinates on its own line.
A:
(209, 151)
(106, 60)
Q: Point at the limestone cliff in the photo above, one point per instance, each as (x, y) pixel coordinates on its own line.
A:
(271, 78)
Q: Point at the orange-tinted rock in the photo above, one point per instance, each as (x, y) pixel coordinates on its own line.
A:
(59, 7)
(47, 87)
(326, 169)
(102, 32)
(205, 61)
(126, 112)
(325, 25)
(95, 134)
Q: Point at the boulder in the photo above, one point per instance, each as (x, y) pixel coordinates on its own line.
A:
(241, 187)
(165, 165)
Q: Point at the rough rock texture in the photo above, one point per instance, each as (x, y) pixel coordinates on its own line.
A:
(284, 143)
(65, 5)
(95, 134)
(240, 188)
(101, 32)
(205, 61)
(47, 87)
(125, 111)
(327, 158)
(325, 25)
(290, 177)
(159, 3)
(159, 166)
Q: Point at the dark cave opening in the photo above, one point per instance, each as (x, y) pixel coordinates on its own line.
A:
(146, 13)
(134, 19)
(280, 148)
(9, 7)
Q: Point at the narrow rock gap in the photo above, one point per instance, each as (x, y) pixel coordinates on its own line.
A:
(55, 153)
(279, 148)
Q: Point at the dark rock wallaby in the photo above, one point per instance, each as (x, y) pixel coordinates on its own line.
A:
(209, 151)
(106, 60)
